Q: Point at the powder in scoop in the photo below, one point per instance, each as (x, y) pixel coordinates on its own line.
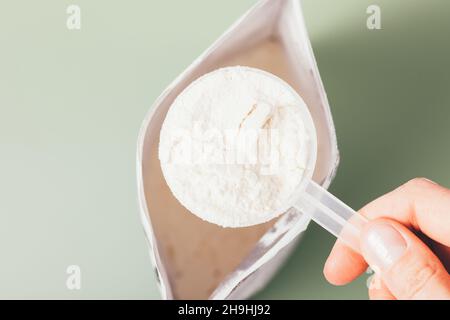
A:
(234, 146)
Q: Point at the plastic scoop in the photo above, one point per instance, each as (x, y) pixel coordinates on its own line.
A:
(308, 197)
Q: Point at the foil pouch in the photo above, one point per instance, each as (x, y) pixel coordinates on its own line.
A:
(195, 259)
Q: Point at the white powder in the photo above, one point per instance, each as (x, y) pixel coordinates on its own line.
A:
(234, 146)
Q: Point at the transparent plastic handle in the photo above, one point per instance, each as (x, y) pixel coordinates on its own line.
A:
(332, 214)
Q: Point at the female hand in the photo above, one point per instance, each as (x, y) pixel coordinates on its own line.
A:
(406, 242)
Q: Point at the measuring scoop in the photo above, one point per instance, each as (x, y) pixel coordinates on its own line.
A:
(308, 197)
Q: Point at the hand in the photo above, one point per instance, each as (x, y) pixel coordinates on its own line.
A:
(406, 242)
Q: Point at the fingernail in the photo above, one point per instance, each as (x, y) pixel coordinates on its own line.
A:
(382, 245)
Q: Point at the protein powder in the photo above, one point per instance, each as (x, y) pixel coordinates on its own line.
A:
(234, 146)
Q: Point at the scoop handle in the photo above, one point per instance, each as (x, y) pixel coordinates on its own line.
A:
(332, 214)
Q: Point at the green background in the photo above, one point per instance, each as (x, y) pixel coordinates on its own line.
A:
(71, 104)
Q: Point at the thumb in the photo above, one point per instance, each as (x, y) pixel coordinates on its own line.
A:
(409, 269)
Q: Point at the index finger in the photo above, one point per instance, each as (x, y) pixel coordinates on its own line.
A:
(419, 204)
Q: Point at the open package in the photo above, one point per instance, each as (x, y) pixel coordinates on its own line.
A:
(195, 259)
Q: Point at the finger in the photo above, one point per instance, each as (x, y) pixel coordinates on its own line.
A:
(343, 265)
(406, 204)
(378, 290)
(420, 204)
(408, 268)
